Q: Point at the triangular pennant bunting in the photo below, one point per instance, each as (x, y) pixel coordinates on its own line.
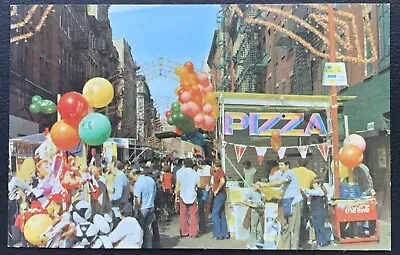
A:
(303, 151)
(260, 154)
(281, 152)
(239, 150)
(324, 149)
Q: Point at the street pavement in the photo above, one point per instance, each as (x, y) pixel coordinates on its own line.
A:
(169, 234)
(170, 238)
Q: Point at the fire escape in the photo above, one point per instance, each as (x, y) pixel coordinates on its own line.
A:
(248, 54)
(306, 66)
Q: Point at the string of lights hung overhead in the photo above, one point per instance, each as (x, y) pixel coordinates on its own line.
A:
(26, 20)
(321, 21)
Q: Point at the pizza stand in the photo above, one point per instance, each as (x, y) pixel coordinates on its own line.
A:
(245, 127)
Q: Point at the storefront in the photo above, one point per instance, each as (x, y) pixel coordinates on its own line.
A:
(365, 117)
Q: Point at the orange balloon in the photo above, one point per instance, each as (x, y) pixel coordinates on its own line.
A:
(276, 145)
(351, 156)
(198, 100)
(185, 85)
(194, 78)
(177, 91)
(275, 135)
(189, 67)
(64, 136)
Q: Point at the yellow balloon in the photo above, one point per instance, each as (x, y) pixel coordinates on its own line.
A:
(210, 98)
(215, 113)
(343, 170)
(176, 90)
(178, 71)
(35, 227)
(26, 169)
(99, 92)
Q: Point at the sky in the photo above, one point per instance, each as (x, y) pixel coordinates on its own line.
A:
(177, 33)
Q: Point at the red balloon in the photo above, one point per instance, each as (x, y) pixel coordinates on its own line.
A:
(73, 107)
(185, 109)
(209, 123)
(199, 119)
(178, 131)
(180, 91)
(194, 109)
(350, 156)
(203, 80)
(168, 114)
(185, 97)
(64, 136)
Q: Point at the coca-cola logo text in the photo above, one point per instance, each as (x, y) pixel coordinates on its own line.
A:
(364, 208)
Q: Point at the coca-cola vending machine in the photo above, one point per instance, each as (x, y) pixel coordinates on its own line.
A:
(353, 214)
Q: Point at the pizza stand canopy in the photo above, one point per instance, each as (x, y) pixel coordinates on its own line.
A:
(268, 103)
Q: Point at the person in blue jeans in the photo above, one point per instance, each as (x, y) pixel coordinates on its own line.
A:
(220, 226)
(319, 211)
(144, 191)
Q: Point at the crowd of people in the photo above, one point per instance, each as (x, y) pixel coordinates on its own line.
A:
(120, 205)
(115, 204)
(303, 208)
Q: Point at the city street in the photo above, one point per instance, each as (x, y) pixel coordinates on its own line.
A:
(170, 238)
(277, 115)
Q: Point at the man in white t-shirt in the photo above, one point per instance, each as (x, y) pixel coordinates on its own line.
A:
(249, 173)
(186, 182)
(203, 192)
(128, 234)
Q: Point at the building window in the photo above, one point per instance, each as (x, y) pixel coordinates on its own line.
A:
(384, 35)
(283, 87)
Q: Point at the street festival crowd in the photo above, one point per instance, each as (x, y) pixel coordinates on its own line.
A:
(120, 205)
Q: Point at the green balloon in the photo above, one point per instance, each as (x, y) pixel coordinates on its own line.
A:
(49, 108)
(170, 121)
(94, 129)
(176, 107)
(34, 108)
(37, 99)
(175, 117)
(181, 117)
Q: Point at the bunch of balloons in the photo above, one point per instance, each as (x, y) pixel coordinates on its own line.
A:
(39, 105)
(276, 142)
(197, 104)
(182, 122)
(351, 154)
(79, 122)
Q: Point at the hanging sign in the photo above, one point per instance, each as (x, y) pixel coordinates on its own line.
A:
(252, 122)
(334, 74)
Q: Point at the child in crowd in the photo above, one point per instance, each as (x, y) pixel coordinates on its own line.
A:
(319, 211)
